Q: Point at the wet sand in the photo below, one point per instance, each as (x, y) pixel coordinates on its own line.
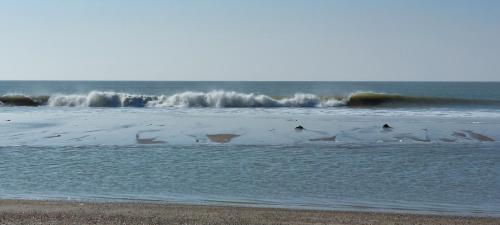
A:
(478, 136)
(221, 138)
(332, 138)
(63, 212)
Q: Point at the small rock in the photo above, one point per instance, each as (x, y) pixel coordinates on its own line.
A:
(386, 126)
(299, 127)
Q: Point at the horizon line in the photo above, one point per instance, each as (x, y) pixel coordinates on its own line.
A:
(457, 81)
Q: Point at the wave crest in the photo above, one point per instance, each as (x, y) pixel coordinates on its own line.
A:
(223, 99)
(100, 99)
(22, 100)
(231, 99)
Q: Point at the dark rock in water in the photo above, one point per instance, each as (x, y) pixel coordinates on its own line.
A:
(7, 120)
(299, 127)
(386, 126)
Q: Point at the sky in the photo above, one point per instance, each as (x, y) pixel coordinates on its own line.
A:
(352, 40)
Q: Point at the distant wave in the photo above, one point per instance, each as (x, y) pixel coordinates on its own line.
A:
(369, 99)
(231, 99)
(21, 100)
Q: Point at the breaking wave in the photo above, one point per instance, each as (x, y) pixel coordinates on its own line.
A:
(231, 99)
(219, 99)
(22, 100)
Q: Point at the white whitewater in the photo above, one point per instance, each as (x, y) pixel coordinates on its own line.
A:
(219, 99)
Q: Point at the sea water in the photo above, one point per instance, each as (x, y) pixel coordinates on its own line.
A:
(150, 141)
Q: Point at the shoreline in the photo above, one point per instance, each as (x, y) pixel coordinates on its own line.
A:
(90, 212)
(260, 205)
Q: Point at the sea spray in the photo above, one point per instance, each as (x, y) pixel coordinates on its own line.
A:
(219, 99)
(232, 99)
(223, 99)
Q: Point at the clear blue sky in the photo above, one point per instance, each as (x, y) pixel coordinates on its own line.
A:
(250, 40)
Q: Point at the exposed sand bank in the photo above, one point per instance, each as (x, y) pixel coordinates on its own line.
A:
(221, 138)
(471, 135)
(61, 212)
(332, 138)
(478, 136)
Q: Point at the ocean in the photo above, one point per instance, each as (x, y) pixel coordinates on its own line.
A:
(318, 145)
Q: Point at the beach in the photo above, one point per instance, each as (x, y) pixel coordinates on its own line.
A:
(349, 146)
(250, 112)
(69, 212)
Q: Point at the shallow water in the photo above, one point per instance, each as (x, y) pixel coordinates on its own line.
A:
(435, 159)
(418, 177)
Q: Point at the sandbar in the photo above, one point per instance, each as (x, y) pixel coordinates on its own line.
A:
(221, 138)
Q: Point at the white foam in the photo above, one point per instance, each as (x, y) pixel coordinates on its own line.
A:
(67, 100)
(222, 99)
(99, 99)
(219, 99)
